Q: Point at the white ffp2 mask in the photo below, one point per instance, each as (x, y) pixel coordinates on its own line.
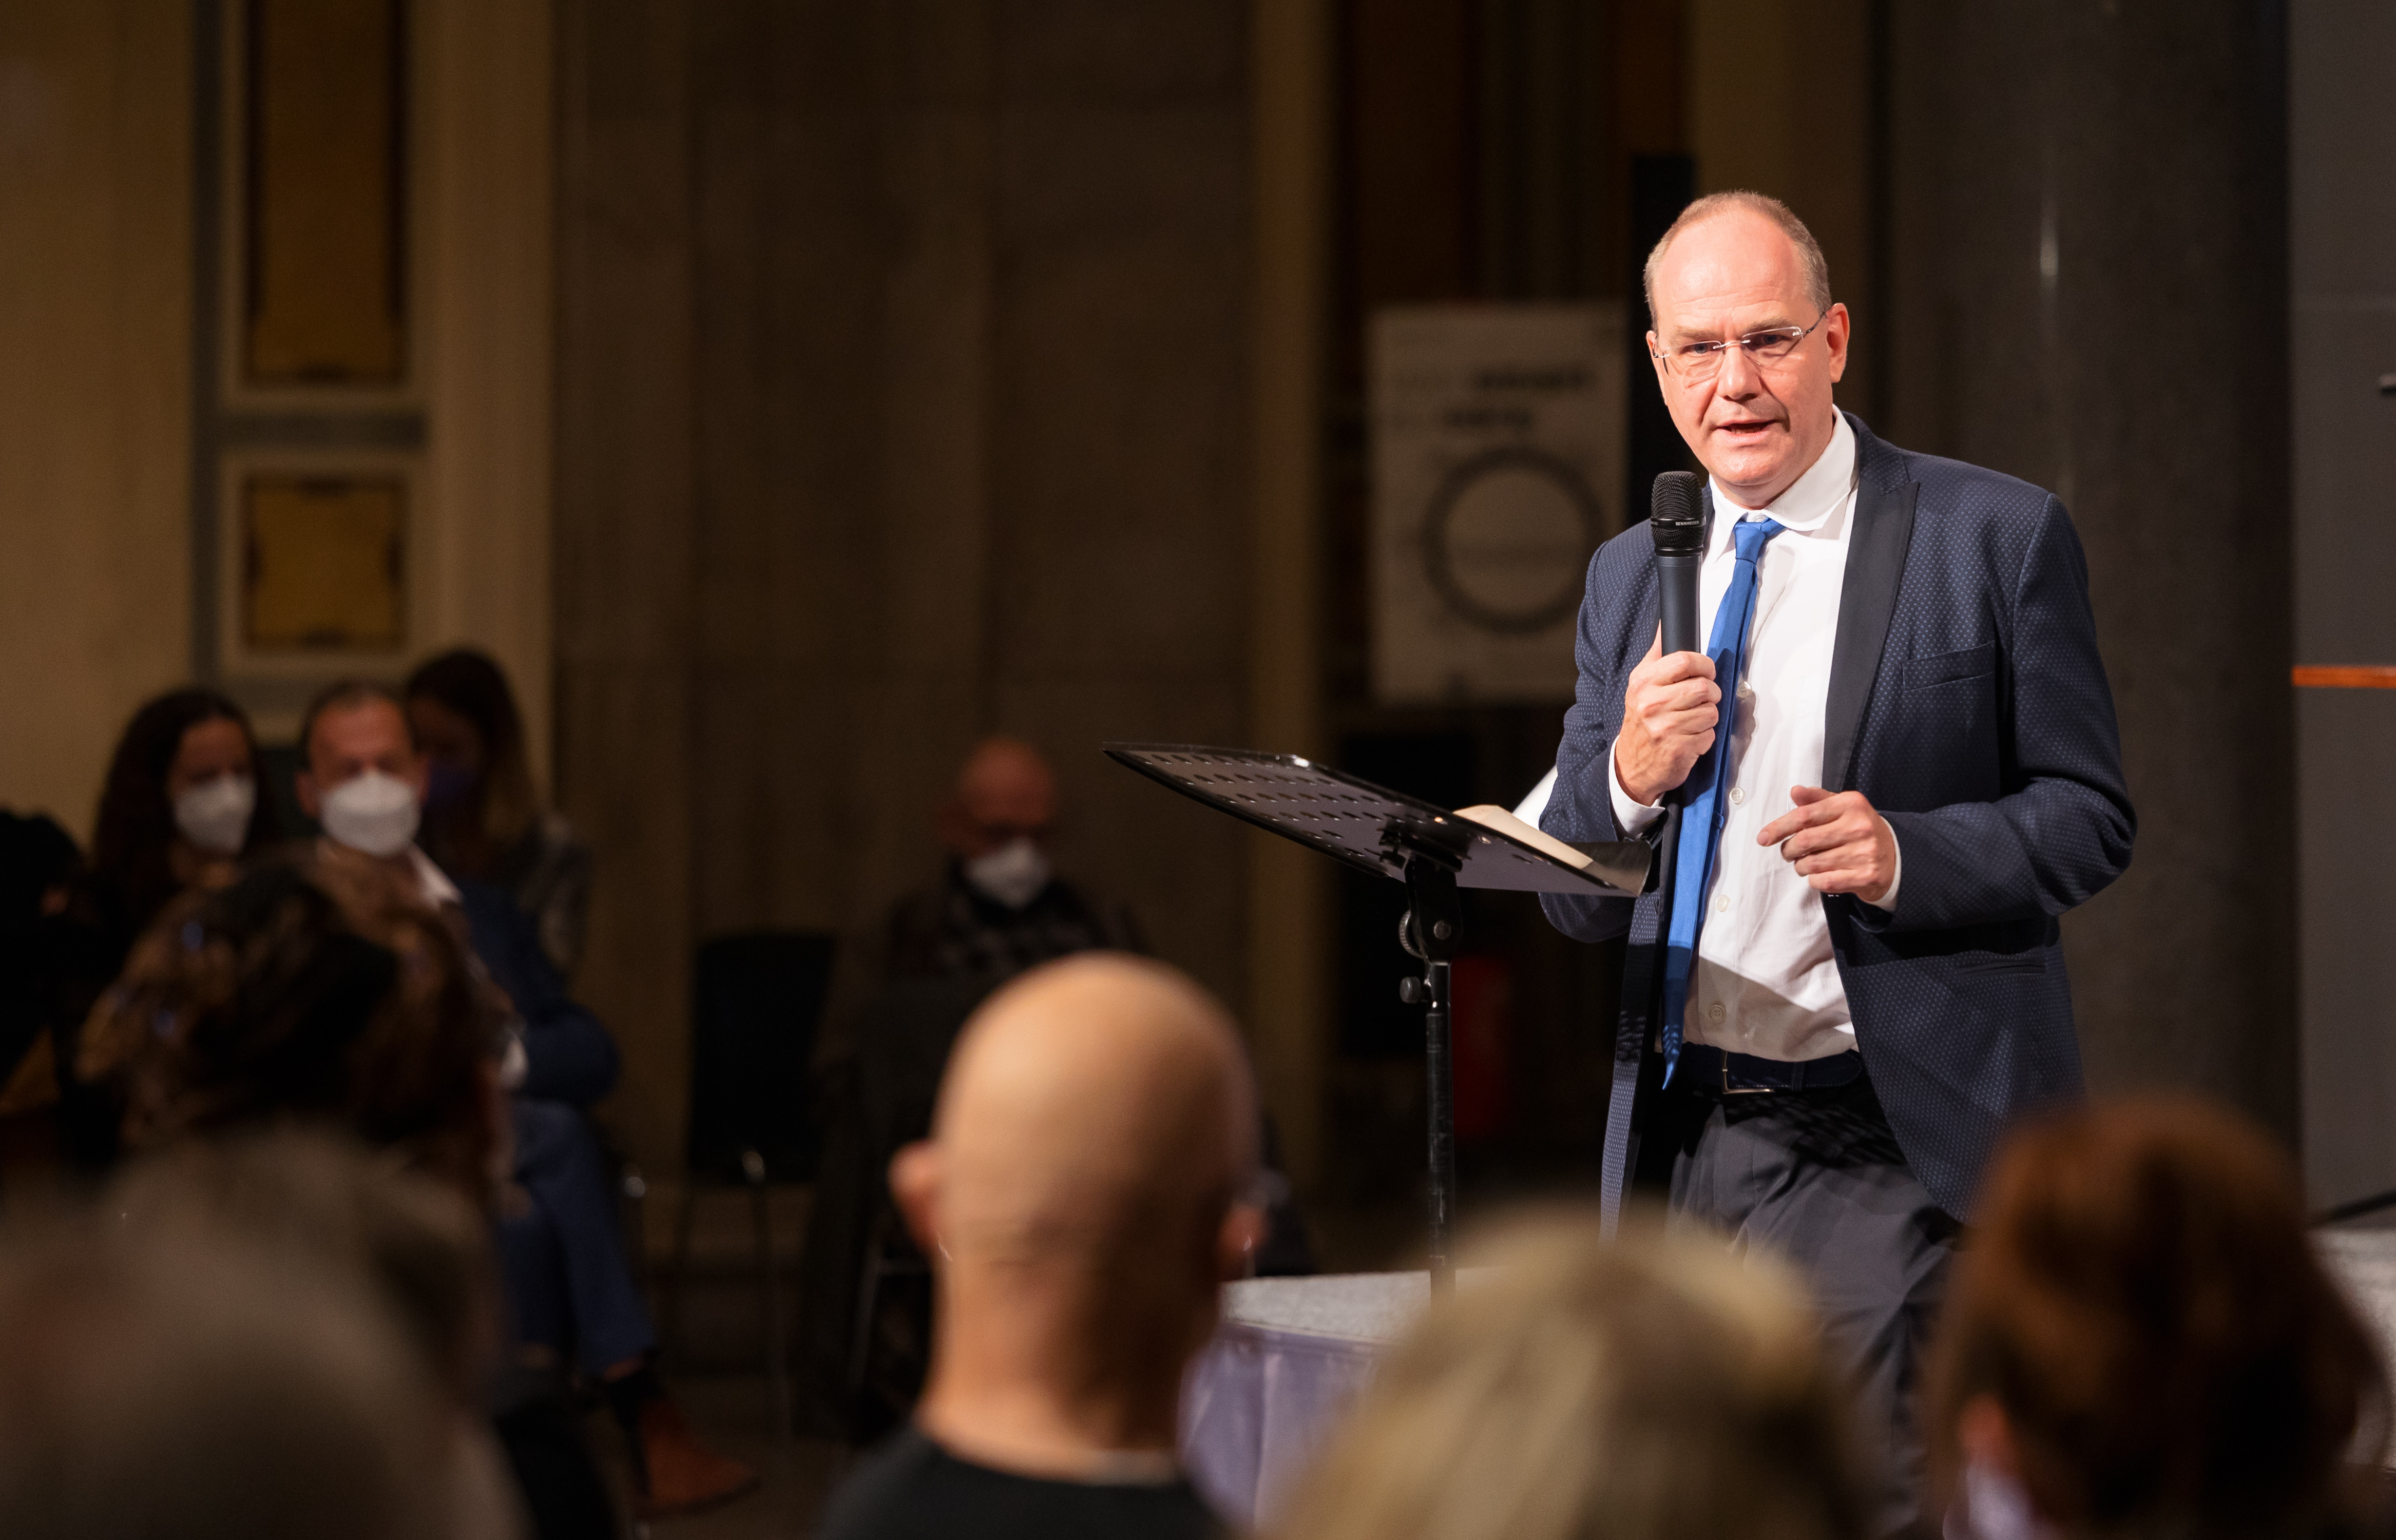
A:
(374, 813)
(1013, 874)
(215, 815)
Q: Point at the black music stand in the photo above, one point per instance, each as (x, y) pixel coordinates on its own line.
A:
(1387, 833)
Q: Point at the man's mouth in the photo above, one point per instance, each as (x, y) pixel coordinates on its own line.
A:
(1745, 429)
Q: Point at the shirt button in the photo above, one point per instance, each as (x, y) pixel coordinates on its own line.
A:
(1714, 1013)
(1721, 903)
(1737, 796)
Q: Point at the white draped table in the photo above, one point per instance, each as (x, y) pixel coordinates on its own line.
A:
(1292, 1352)
(1289, 1355)
(2363, 1258)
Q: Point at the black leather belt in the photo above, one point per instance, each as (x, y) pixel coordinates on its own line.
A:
(1712, 1072)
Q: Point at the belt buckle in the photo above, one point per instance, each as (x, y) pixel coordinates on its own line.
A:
(1730, 1090)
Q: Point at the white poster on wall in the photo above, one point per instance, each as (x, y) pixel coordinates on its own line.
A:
(1496, 471)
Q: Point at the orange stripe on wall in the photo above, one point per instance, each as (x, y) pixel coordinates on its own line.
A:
(2360, 677)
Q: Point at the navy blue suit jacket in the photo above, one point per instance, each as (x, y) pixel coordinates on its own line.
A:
(568, 1055)
(1968, 703)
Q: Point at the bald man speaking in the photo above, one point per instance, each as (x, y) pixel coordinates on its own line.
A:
(1082, 1196)
(1873, 794)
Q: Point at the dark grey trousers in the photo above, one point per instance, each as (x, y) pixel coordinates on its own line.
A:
(1816, 1179)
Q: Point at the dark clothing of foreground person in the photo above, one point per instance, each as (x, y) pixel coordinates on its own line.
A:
(911, 1489)
(55, 959)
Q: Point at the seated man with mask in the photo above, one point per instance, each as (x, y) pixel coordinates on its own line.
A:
(568, 1280)
(1000, 908)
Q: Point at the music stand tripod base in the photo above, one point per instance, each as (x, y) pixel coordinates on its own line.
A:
(1435, 853)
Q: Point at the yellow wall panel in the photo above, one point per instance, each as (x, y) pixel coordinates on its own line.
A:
(326, 273)
(325, 564)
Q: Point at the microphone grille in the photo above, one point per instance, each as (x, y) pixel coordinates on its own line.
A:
(1675, 518)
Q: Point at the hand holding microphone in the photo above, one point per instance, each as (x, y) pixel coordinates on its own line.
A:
(1668, 713)
(1672, 705)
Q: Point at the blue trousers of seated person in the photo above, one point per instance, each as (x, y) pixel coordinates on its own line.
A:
(569, 1285)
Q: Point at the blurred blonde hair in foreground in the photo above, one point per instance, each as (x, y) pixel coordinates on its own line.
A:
(1654, 1388)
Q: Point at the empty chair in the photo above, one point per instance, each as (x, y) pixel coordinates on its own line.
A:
(757, 998)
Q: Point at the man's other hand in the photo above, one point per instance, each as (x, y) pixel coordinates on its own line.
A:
(1837, 843)
(1668, 713)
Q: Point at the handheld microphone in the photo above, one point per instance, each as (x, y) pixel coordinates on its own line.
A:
(1677, 522)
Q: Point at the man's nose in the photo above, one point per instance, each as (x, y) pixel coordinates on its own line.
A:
(1739, 378)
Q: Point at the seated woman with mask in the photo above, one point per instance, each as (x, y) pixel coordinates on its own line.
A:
(482, 819)
(179, 811)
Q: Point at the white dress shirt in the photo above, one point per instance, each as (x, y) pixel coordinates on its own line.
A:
(432, 884)
(1765, 982)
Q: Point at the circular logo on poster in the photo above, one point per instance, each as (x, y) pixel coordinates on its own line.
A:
(1507, 536)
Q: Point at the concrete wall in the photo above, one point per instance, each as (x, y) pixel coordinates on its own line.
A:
(2088, 278)
(94, 327)
(2342, 284)
(1781, 97)
(903, 359)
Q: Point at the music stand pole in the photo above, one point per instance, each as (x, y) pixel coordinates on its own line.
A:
(1434, 918)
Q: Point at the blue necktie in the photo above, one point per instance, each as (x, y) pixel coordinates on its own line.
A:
(1701, 818)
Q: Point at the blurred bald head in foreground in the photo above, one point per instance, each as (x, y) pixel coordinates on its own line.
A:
(1083, 1194)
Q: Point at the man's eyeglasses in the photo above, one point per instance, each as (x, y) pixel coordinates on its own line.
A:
(1693, 362)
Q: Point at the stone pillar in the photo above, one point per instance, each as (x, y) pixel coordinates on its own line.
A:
(2342, 240)
(2088, 279)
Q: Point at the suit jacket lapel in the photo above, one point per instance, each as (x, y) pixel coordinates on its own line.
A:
(1867, 602)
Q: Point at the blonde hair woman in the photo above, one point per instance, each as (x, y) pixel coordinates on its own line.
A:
(1654, 1387)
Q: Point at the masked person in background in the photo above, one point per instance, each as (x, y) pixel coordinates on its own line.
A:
(1001, 908)
(570, 1290)
(180, 811)
(483, 818)
(999, 911)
